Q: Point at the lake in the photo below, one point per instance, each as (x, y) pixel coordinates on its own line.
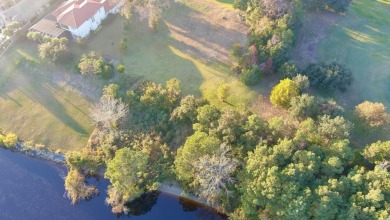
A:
(34, 189)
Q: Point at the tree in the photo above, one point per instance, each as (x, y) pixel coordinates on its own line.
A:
(197, 145)
(187, 110)
(76, 187)
(111, 90)
(331, 77)
(373, 114)
(35, 36)
(333, 128)
(213, 176)
(223, 92)
(288, 70)
(283, 92)
(378, 153)
(273, 9)
(147, 9)
(128, 176)
(11, 28)
(109, 112)
(93, 64)
(251, 76)
(304, 106)
(55, 50)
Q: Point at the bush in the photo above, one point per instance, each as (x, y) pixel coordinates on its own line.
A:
(288, 70)
(251, 76)
(120, 68)
(10, 140)
(331, 77)
(108, 71)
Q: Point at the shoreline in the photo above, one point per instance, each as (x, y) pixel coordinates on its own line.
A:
(174, 190)
(43, 154)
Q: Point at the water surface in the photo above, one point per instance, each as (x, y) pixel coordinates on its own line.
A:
(34, 189)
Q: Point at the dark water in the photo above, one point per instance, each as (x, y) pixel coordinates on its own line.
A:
(34, 189)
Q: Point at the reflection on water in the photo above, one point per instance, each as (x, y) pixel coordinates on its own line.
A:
(34, 189)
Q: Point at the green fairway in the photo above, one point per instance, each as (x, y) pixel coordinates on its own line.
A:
(33, 107)
(361, 41)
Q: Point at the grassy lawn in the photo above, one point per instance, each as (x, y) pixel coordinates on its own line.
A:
(160, 56)
(361, 41)
(35, 109)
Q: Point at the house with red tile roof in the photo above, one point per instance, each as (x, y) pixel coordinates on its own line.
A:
(80, 17)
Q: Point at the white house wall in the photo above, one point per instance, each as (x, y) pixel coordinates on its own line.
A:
(89, 25)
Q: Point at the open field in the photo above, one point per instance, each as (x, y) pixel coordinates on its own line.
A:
(36, 107)
(47, 104)
(361, 41)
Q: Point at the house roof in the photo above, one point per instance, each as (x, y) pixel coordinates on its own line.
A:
(74, 13)
(48, 27)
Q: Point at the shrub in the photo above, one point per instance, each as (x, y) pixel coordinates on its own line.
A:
(120, 68)
(251, 76)
(282, 93)
(10, 140)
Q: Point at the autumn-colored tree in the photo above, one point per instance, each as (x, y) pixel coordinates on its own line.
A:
(283, 92)
(373, 114)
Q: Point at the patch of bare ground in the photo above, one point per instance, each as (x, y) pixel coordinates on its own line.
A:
(205, 30)
(315, 27)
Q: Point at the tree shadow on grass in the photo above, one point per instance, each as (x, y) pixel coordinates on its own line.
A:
(35, 85)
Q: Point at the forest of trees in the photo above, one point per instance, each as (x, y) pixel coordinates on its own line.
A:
(240, 164)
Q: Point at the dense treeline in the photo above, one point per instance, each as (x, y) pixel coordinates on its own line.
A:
(249, 168)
